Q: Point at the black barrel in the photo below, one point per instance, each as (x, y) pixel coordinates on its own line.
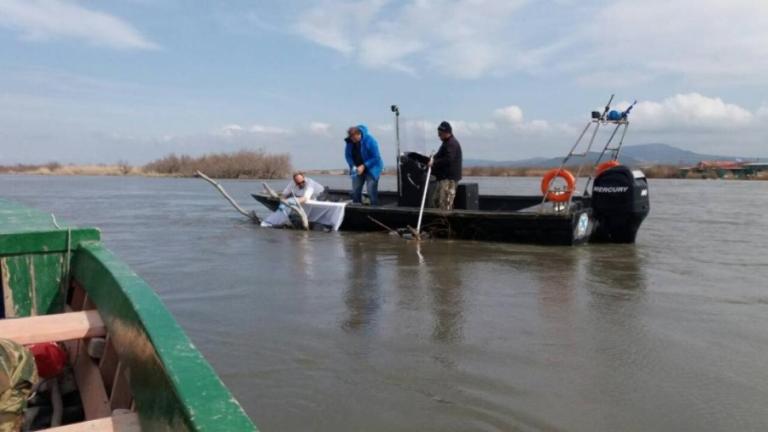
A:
(620, 203)
(413, 173)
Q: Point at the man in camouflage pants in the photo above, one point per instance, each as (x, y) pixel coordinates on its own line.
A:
(18, 374)
(446, 166)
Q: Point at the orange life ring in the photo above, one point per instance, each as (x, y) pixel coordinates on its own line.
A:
(560, 196)
(606, 166)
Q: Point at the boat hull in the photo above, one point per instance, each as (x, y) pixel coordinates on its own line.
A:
(513, 219)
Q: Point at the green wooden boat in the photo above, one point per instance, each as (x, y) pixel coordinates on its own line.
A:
(133, 366)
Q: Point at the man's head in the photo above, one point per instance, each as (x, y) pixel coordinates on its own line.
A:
(298, 179)
(354, 134)
(444, 131)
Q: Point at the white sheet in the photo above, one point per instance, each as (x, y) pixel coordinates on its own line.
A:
(323, 212)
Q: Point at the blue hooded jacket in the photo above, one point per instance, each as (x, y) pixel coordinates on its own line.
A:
(369, 150)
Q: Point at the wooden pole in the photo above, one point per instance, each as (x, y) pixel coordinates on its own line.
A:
(391, 231)
(251, 215)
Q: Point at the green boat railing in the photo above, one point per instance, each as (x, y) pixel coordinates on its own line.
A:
(173, 386)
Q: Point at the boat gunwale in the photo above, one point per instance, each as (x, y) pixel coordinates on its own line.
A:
(268, 201)
(145, 334)
(189, 374)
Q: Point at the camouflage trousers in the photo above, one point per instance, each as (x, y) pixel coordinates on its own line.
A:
(17, 376)
(444, 194)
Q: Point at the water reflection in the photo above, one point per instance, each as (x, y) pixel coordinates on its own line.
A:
(362, 296)
(616, 266)
(556, 274)
(616, 338)
(305, 255)
(447, 290)
(426, 276)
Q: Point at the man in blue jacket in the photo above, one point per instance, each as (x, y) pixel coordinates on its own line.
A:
(365, 163)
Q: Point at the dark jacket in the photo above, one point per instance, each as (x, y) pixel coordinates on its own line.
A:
(369, 151)
(447, 162)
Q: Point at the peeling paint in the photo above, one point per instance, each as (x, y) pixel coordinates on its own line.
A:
(32, 286)
(7, 291)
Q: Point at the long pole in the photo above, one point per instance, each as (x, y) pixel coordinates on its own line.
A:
(231, 200)
(396, 110)
(424, 196)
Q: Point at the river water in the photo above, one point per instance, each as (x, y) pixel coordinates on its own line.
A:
(367, 332)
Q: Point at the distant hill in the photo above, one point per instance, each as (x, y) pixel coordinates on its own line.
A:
(640, 154)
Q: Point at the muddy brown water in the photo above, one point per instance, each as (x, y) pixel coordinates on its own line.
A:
(366, 332)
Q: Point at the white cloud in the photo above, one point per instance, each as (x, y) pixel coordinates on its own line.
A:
(387, 51)
(319, 128)
(762, 112)
(473, 128)
(511, 118)
(689, 111)
(336, 24)
(701, 39)
(620, 43)
(40, 20)
(511, 114)
(238, 130)
(231, 129)
(459, 38)
(270, 130)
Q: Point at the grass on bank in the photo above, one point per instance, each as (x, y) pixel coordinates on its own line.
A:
(241, 164)
(55, 168)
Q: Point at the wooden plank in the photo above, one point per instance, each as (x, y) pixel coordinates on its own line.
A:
(53, 328)
(118, 423)
(89, 383)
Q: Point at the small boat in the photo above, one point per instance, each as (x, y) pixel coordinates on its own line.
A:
(126, 364)
(612, 207)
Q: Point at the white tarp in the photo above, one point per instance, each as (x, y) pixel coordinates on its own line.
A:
(323, 212)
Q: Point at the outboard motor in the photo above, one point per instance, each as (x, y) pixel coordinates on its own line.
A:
(620, 202)
(413, 172)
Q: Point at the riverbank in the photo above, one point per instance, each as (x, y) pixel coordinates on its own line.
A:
(218, 167)
(256, 164)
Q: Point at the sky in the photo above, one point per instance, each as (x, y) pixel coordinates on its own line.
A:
(133, 80)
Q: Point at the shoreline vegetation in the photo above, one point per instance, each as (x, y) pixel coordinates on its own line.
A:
(243, 164)
(258, 164)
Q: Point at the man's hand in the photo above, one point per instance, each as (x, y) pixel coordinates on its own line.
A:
(429, 164)
(360, 169)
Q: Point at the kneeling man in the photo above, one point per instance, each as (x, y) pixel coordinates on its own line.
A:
(303, 188)
(298, 192)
